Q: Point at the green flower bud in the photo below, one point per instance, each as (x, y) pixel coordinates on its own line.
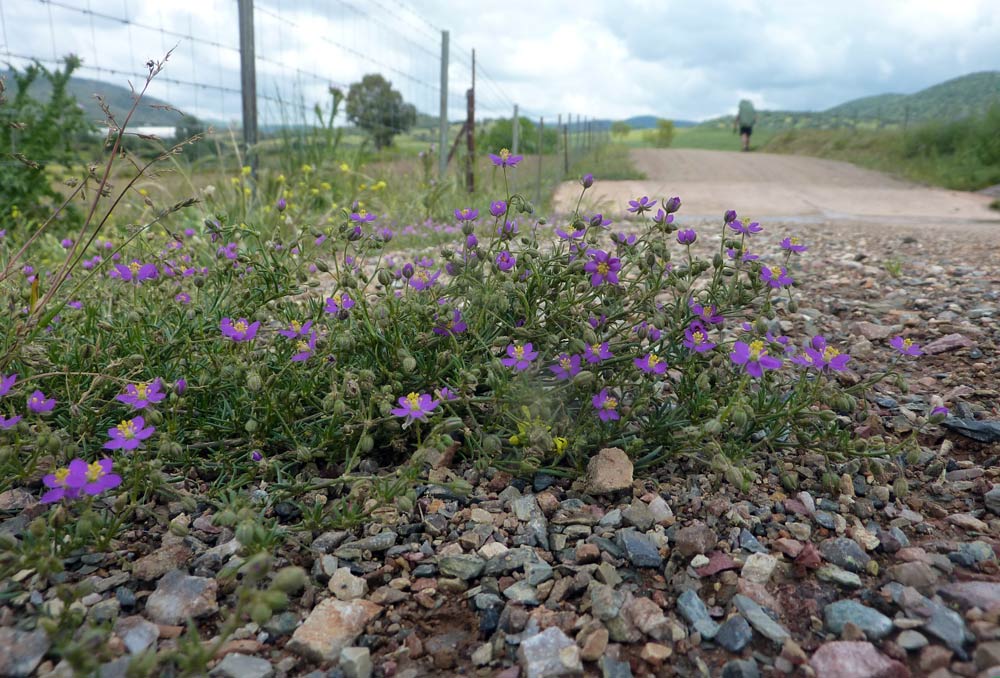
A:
(321, 265)
(154, 417)
(290, 579)
(492, 444)
(254, 382)
(276, 599)
(251, 425)
(260, 613)
(712, 427)
(451, 424)
(244, 533)
(384, 277)
(739, 417)
(366, 443)
(900, 487)
(717, 260)
(584, 379)
(789, 481)
(54, 444)
(409, 364)
(225, 518)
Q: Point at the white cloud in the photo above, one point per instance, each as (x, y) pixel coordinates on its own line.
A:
(672, 58)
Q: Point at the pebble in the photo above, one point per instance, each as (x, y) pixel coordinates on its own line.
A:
(21, 651)
(734, 634)
(741, 668)
(639, 549)
(992, 500)
(760, 620)
(608, 471)
(236, 665)
(875, 624)
(844, 553)
(463, 566)
(330, 627)
(179, 596)
(346, 586)
(163, 560)
(356, 662)
(614, 668)
(694, 539)
(549, 654)
(839, 576)
(911, 640)
(854, 659)
(759, 567)
(693, 609)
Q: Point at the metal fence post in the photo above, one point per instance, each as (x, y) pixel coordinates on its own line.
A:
(541, 155)
(248, 82)
(515, 131)
(470, 134)
(443, 122)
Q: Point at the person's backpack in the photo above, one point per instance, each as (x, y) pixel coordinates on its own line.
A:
(747, 114)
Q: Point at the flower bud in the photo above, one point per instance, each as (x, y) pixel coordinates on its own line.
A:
(260, 613)
(587, 181)
(409, 364)
(384, 277)
(584, 379)
(250, 426)
(276, 599)
(900, 487)
(254, 382)
(321, 265)
(366, 443)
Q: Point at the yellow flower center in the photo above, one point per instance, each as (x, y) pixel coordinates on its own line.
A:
(421, 275)
(907, 343)
(775, 271)
(240, 326)
(127, 430)
(653, 360)
(504, 153)
(610, 403)
(61, 475)
(134, 267)
(296, 326)
(413, 401)
(362, 212)
(596, 349)
(698, 337)
(830, 353)
(302, 346)
(756, 349)
(141, 391)
(565, 363)
(94, 472)
(794, 240)
(519, 352)
(602, 268)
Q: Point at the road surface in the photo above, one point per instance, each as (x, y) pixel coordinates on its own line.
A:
(783, 187)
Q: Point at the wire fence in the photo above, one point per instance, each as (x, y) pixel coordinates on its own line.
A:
(301, 49)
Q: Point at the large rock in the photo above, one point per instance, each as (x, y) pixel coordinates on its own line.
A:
(163, 560)
(609, 471)
(179, 597)
(330, 627)
(875, 624)
(550, 654)
(981, 594)
(850, 659)
(845, 553)
(695, 538)
(21, 651)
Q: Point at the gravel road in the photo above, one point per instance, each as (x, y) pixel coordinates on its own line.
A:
(785, 187)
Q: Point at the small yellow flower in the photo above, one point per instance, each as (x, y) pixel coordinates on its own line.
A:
(344, 167)
(314, 191)
(281, 178)
(326, 186)
(362, 187)
(307, 169)
(143, 192)
(247, 191)
(245, 171)
(235, 181)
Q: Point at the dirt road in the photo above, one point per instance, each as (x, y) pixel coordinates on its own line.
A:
(784, 187)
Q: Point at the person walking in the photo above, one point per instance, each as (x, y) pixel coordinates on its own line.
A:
(746, 118)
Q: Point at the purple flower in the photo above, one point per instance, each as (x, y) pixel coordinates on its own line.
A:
(793, 244)
(746, 256)
(754, 358)
(281, 205)
(296, 329)
(229, 251)
(709, 315)
(454, 326)
(696, 338)
(180, 386)
(9, 422)
(671, 205)
(129, 434)
(466, 214)
(940, 411)
(651, 364)
(38, 403)
(471, 241)
(505, 159)
(341, 301)
(142, 394)
(575, 235)
(422, 280)
(498, 208)
(505, 261)
(775, 276)
(135, 272)
(519, 356)
(598, 221)
(566, 367)
(623, 240)
(305, 348)
(587, 181)
(730, 216)
(385, 233)
(241, 330)
(362, 216)
(92, 479)
(602, 268)
(686, 236)
(606, 406)
(66, 243)
(415, 406)
(445, 393)
(6, 383)
(905, 346)
(595, 353)
(643, 204)
(508, 230)
(748, 229)
(661, 218)
(821, 356)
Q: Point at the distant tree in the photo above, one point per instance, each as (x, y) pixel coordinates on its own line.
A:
(378, 109)
(501, 135)
(620, 128)
(662, 135)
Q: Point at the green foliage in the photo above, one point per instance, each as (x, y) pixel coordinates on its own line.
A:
(500, 134)
(620, 129)
(662, 136)
(36, 140)
(378, 109)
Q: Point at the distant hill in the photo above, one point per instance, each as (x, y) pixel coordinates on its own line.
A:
(117, 97)
(956, 98)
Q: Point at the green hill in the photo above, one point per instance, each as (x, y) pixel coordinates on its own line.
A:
(149, 113)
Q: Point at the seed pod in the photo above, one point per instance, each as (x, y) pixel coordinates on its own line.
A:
(260, 613)
(251, 425)
(900, 487)
(584, 379)
(253, 382)
(789, 482)
(154, 417)
(384, 277)
(276, 599)
(492, 444)
(451, 424)
(717, 260)
(244, 533)
(225, 518)
(409, 364)
(366, 443)
(712, 426)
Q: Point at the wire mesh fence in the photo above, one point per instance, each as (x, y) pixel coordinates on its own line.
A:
(302, 52)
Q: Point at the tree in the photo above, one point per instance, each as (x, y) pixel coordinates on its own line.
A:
(620, 128)
(662, 136)
(501, 135)
(374, 106)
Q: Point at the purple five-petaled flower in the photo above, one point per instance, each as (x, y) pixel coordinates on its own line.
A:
(793, 244)
(129, 434)
(135, 272)
(686, 236)
(38, 403)
(651, 364)
(905, 346)
(606, 406)
(754, 358)
(466, 214)
(643, 204)
(340, 302)
(5, 384)
(505, 260)
(519, 356)
(602, 267)
(595, 353)
(453, 326)
(822, 356)
(696, 338)
(505, 158)
(241, 330)
(415, 406)
(566, 367)
(142, 394)
(745, 229)
(305, 347)
(775, 276)
(91, 479)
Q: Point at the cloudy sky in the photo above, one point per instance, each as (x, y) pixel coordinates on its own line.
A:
(690, 59)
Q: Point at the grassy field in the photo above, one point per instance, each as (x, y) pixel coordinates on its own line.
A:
(708, 138)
